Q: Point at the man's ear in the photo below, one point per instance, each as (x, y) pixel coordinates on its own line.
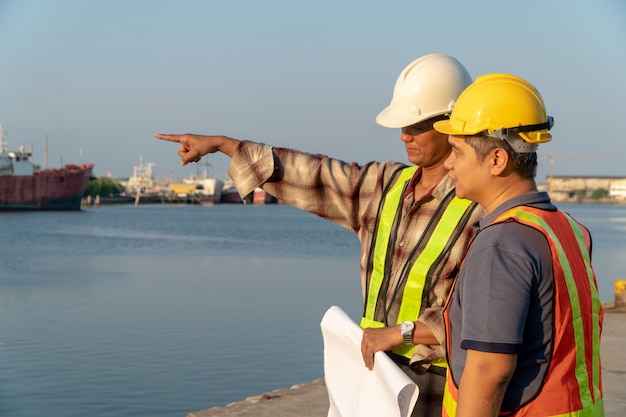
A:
(499, 160)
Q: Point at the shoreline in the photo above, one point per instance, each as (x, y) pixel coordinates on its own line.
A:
(311, 399)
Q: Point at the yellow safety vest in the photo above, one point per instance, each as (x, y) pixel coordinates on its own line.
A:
(421, 263)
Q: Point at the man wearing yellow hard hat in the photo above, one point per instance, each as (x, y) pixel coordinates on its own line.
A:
(413, 230)
(524, 318)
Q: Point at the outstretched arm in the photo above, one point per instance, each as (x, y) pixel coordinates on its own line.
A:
(194, 147)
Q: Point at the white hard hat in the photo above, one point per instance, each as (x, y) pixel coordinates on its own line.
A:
(427, 87)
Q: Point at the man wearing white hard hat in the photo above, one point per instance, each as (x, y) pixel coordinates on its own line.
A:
(413, 230)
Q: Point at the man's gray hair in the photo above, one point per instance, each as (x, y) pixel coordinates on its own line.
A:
(524, 163)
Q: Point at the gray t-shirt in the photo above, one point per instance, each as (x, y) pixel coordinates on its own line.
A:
(502, 302)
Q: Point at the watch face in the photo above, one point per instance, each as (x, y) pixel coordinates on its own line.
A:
(406, 326)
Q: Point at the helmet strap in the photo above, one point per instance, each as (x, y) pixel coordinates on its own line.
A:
(505, 131)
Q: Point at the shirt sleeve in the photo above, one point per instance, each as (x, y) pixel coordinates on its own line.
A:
(250, 167)
(330, 188)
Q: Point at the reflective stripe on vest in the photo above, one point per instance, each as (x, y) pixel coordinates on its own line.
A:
(577, 320)
(391, 205)
(414, 287)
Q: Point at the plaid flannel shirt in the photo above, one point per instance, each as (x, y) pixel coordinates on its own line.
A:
(349, 195)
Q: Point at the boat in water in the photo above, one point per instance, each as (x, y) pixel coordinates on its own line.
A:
(229, 193)
(261, 196)
(23, 187)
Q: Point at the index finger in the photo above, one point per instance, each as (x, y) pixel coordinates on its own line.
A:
(171, 138)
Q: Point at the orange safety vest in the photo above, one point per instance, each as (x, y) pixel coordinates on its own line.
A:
(572, 386)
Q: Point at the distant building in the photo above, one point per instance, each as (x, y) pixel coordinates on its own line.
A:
(584, 188)
(618, 189)
(206, 189)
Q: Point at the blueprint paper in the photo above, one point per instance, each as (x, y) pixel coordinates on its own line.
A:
(354, 390)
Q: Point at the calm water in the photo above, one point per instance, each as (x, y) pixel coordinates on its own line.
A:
(161, 310)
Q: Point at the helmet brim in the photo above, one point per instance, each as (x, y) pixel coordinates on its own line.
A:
(445, 127)
(391, 118)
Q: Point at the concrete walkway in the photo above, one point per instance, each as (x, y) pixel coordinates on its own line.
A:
(311, 399)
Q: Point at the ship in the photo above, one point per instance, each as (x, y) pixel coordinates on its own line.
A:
(229, 193)
(23, 187)
(261, 196)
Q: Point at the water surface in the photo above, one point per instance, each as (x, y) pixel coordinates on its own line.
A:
(163, 310)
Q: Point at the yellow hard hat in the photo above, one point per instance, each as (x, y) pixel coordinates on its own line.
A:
(499, 105)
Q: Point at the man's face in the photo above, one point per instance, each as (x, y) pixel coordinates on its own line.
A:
(465, 170)
(425, 146)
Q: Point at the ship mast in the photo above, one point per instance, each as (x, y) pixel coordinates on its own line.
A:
(45, 153)
(1, 139)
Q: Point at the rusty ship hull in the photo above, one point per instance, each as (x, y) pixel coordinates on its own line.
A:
(50, 189)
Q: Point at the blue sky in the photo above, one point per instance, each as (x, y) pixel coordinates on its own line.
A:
(101, 77)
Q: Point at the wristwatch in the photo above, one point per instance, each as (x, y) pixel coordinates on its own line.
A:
(406, 328)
